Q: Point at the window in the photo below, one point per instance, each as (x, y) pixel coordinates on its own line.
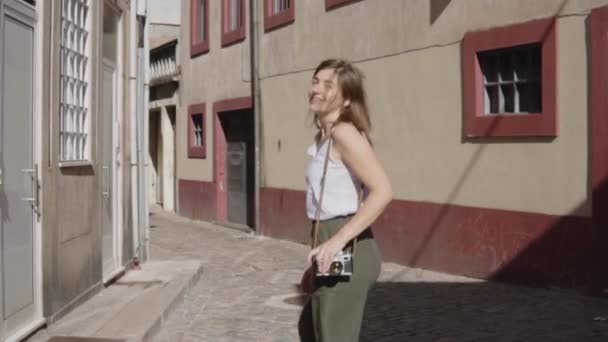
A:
(233, 21)
(199, 27)
(75, 78)
(510, 81)
(329, 4)
(196, 131)
(278, 13)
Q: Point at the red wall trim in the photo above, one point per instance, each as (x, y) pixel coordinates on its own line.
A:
(508, 245)
(232, 37)
(476, 123)
(233, 104)
(197, 200)
(219, 150)
(196, 151)
(274, 21)
(283, 214)
(198, 45)
(599, 117)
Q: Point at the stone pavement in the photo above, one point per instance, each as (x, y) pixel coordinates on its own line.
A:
(247, 293)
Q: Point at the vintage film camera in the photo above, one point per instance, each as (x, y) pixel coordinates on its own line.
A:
(341, 266)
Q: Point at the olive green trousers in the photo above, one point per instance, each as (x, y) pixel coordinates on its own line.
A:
(338, 302)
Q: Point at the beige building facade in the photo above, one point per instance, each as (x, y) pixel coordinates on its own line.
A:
(491, 127)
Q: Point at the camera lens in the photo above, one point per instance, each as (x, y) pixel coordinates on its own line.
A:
(336, 268)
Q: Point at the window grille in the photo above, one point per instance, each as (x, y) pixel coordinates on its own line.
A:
(281, 6)
(202, 33)
(236, 15)
(512, 80)
(75, 76)
(197, 123)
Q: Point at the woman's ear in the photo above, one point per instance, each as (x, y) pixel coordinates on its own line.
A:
(346, 103)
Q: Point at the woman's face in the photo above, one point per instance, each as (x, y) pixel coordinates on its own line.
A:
(325, 95)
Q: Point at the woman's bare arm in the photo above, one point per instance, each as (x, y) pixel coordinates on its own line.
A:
(356, 152)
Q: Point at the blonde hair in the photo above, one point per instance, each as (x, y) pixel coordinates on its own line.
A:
(350, 81)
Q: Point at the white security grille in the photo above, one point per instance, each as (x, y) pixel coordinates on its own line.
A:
(236, 15)
(197, 122)
(512, 80)
(74, 121)
(281, 6)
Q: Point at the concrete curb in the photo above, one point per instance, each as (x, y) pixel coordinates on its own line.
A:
(157, 323)
(133, 308)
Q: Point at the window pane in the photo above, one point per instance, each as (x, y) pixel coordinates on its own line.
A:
(492, 99)
(202, 34)
(508, 95)
(512, 79)
(506, 66)
(530, 97)
(488, 66)
(236, 14)
(197, 124)
(281, 6)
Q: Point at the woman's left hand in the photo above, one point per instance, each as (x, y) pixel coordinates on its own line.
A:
(324, 253)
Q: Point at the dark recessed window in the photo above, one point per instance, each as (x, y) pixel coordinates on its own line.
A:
(196, 131)
(512, 80)
(197, 127)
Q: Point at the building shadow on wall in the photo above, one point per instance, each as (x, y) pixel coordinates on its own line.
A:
(436, 8)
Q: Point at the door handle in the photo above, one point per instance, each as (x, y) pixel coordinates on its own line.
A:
(106, 177)
(35, 185)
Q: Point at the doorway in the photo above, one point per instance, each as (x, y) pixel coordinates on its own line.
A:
(162, 157)
(236, 165)
(19, 178)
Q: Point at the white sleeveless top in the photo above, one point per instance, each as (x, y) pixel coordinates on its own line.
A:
(341, 193)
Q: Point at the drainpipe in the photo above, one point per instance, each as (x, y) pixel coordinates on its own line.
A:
(133, 124)
(257, 106)
(142, 130)
(146, 135)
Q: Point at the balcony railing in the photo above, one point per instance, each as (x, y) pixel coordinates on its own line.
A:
(163, 65)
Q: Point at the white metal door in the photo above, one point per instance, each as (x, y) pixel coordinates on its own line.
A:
(108, 120)
(20, 187)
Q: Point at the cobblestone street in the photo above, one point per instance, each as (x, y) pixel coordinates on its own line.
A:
(247, 292)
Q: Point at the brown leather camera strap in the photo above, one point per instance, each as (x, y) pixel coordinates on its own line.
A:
(320, 201)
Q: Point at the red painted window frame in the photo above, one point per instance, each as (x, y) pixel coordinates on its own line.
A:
(598, 25)
(198, 46)
(275, 21)
(331, 4)
(196, 151)
(232, 37)
(476, 122)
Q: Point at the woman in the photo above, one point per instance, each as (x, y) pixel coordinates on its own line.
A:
(337, 98)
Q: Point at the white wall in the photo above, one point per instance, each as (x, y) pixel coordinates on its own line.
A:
(166, 12)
